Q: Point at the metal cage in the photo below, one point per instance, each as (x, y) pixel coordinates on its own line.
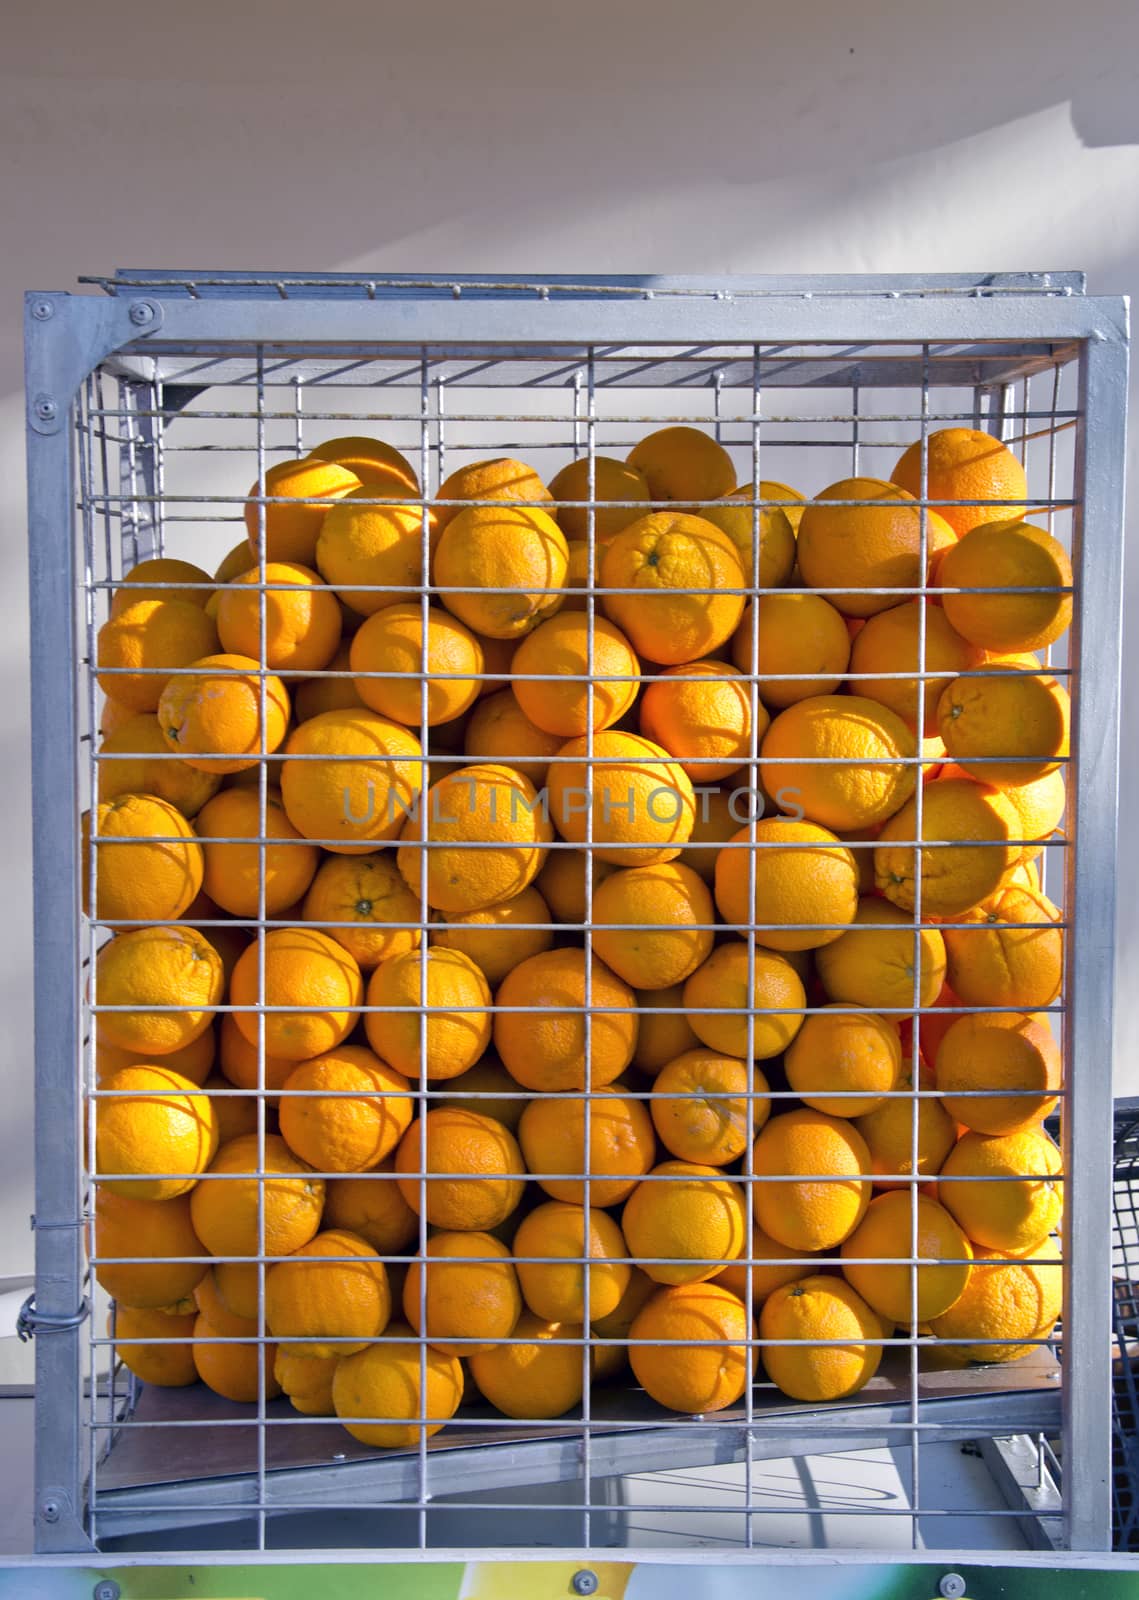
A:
(151, 405)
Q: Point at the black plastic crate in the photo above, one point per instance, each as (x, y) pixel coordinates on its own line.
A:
(1125, 1384)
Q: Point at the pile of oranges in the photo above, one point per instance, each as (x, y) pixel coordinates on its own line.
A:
(516, 931)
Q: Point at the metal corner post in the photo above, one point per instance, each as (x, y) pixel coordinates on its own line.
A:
(1089, 975)
(59, 1489)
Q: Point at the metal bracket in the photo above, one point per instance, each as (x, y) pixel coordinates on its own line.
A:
(29, 1321)
(66, 337)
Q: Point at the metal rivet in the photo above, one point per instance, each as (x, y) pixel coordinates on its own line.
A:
(43, 310)
(106, 1589)
(46, 408)
(141, 313)
(584, 1582)
(952, 1586)
(51, 1511)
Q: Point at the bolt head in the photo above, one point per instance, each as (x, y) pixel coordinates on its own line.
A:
(43, 310)
(50, 1511)
(46, 409)
(584, 1582)
(106, 1589)
(952, 1586)
(141, 313)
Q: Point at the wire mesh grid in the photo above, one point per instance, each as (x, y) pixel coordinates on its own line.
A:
(164, 459)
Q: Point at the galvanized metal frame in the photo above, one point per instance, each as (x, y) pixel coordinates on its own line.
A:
(150, 317)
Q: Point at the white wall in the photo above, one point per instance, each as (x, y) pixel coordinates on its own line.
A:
(649, 136)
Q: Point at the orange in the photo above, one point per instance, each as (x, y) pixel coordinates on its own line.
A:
(868, 745)
(683, 464)
(212, 717)
(192, 1061)
(500, 568)
(391, 642)
(653, 925)
(805, 884)
(891, 643)
(663, 1030)
(642, 803)
(113, 715)
(872, 963)
(1020, 965)
(771, 1265)
(572, 689)
(889, 1134)
(677, 567)
(500, 731)
(156, 967)
(538, 1374)
(328, 1307)
(701, 713)
(137, 742)
(1010, 715)
(372, 555)
(232, 565)
(1007, 555)
(830, 1324)
(302, 968)
(554, 1283)
(735, 515)
(313, 695)
(236, 1113)
(151, 1235)
(1039, 807)
(361, 1116)
(609, 1353)
(835, 1052)
(225, 1207)
(612, 480)
(722, 982)
(469, 1290)
(684, 1222)
(487, 1087)
(828, 1161)
(964, 464)
(562, 882)
(622, 1146)
(871, 544)
(304, 491)
(485, 805)
(150, 868)
(153, 1133)
(718, 817)
(373, 1207)
(497, 656)
(301, 617)
(379, 466)
(457, 1029)
(997, 1212)
(803, 647)
(502, 478)
(1010, 1050)
(353, 780)
(689, 1348)
(954, 876)
(498, 937)
(367, 896)
(396, 1393)
(1007, 1300)
(170, 1366)
(906, 1294)
(236, 872)
(716, 1110)
(242, 1372)
(137, 650)
(306, 1380)
(543, 1046)
(173, 580)
(240, 1061)
(474, 1174)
